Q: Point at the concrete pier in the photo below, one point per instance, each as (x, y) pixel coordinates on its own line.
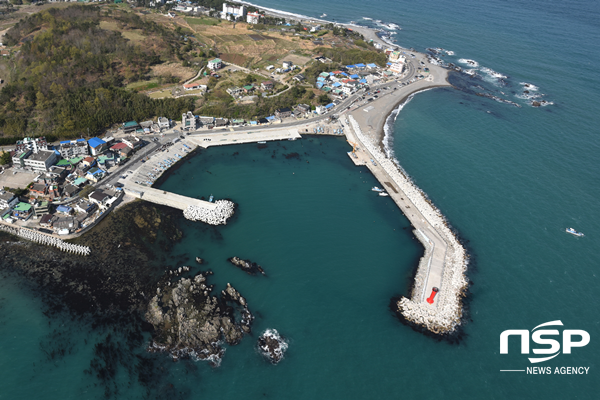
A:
(443, 265)
(251, 135)
(164, 198)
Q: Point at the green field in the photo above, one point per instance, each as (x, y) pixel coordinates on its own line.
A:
(202, 21)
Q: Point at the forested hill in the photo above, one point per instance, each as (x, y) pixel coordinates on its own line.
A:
(68, 76)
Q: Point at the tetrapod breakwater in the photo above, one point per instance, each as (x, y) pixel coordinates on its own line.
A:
(442, 268)
(46, 239)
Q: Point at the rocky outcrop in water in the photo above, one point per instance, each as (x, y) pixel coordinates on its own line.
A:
(189, 322)
(247, 266)
(272, 345)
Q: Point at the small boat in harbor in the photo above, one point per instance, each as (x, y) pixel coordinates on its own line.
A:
(323, 15)
(384, 194)
(262, 142)
(211, 198)
(377, 189)
(574, 232)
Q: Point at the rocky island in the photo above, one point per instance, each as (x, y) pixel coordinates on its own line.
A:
(189, 322)
(272, 345)
(247, 266)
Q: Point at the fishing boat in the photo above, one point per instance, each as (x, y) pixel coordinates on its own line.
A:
(574, 232)
(377, 189)
(384, 194)
(262, 142)
(211, 198)
(323, 15)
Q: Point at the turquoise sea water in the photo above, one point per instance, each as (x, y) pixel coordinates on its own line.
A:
(509, 179)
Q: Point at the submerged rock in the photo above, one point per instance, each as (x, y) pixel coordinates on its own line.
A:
(272, 345)
(189, 322)
(199, 260)
(247, 266)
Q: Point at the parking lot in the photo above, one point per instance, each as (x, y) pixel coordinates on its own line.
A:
(19, 180)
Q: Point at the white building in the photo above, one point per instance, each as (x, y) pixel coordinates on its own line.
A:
(287, 64)
(397, 68)
(231, 11)
(41, 161)
(7, 199)
(73, 148)
(215, 64)
(253, 18)
(163, 123)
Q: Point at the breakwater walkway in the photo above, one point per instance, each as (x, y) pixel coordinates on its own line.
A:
(443, 265)
(45, 239)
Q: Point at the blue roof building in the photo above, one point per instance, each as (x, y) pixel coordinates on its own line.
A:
(97, 145)
(372, 65)
(64, 209)
(361, 65)
(363, 81)
(354, 76)
(330, 106)
(350, 66)
(337, 84)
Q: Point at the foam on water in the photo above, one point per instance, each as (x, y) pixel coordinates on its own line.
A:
(471, 63)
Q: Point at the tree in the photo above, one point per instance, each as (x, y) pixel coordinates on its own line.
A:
(324, 99)
(5, 158)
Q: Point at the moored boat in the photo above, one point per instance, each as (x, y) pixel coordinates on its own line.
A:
(383, 194)
(211, 198)
(574, 232)
(377, 189)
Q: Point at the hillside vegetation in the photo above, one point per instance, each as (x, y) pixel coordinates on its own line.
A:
(68, 76)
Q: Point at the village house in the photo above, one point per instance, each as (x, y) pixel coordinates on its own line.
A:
(22, 211)
(267, 85)
(95, 174)
(163, 123)
(7, 199)
(131, 126)
(221, 121)
(207, 120)
(215, 64)
(283, 112)
(99, 197)
(396, 68)
(132, 141)
(38, 190)
(88, 162)
(70, 190)
(85, 207)
(194, 86)
(299, 77)
(235, 91)
(46, 220)
(302, 109)
(97, 145)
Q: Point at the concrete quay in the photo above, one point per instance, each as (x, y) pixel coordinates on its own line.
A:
(443, 265)
(251, 135)
(164, 198)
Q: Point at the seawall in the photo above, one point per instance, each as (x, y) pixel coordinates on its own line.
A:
(444, 262)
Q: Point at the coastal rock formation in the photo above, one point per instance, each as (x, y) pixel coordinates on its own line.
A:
(247, 266)
(199, 260)
(446, 314)
(216, 216)
(272, 345)
(189, 322)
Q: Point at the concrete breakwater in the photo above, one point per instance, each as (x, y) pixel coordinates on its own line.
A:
(47, 240)
(444, 263)
(214, 216)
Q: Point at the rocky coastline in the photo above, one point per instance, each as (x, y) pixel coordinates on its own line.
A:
(249, 267)
(191, 323)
